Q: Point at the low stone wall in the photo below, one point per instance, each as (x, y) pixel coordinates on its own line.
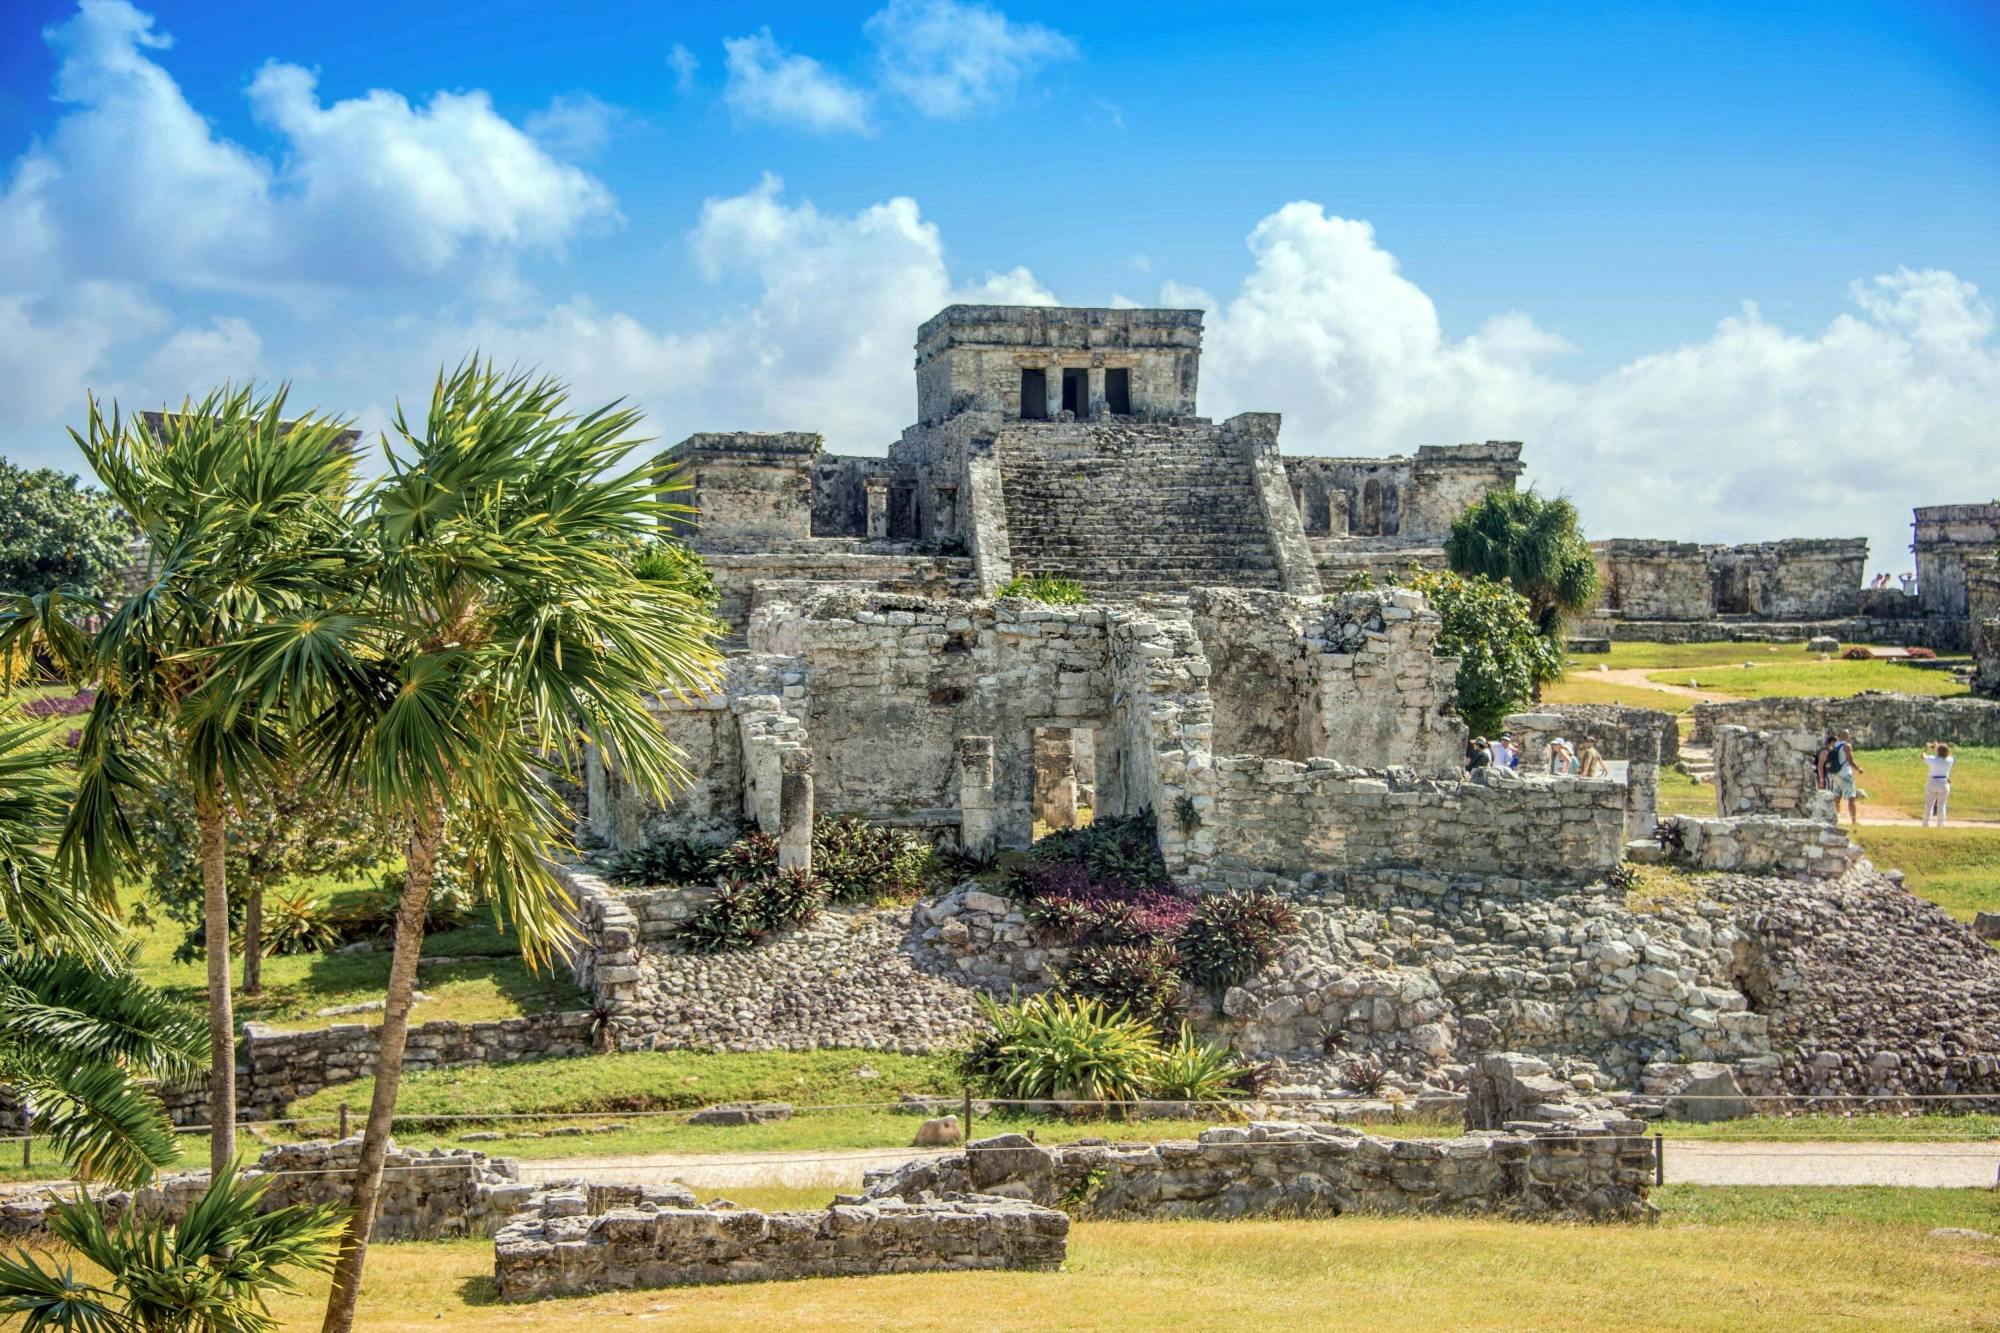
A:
(985, 940)
(1766, 845)
(1587, 1170)
(1879, 720)
(1278, 821)
(1769, 773)
(1644, 738)
(275, 1068)
(1946, 634)
(431, 1195)
(581, 1240)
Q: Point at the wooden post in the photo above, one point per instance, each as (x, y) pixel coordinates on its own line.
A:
(343, 1120)
(967, 1113)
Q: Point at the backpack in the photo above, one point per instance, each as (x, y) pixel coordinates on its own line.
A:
(1836, 757)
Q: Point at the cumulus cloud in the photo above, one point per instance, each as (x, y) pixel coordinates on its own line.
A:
(576, 126)
(949, 59)
(824, 345)
(196, 359)
(683, 63)
(134, 184)
(1756, 432)
(770, 84)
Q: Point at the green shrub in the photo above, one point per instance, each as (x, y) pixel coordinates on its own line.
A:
(1122, 852)
(298, 921)
(1192, 1070)
(1143, 978)
(665, 860)
(1058, 1047)
(752, 856)
(1054, 589)
(672, 562)
(860, 862)
(1232, 935)
(1858, 654)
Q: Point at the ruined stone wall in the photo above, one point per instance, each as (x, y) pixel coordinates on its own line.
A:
(1412, 499)
(438, 1194)
(745, 485)
(581, 1240)
(1765, 845)
(1590, 1169)
(1769, 773)
(1639, 739)
(1878, 720)
(970, 358)
(1986, 653)
(840, 494)
(1945, 538)
(707, 808)
(896, 567)
(1945, 634)
(1282, 821)
(1796, 578)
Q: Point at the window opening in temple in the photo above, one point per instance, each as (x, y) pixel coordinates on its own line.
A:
(1065, 794)
(1034, 395)
(1118, 392)
(1076, 393)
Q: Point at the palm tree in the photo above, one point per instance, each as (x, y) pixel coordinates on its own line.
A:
(504, 631)
(79, 1037)
(208, 1273)
(1535, 544)
(246, 515)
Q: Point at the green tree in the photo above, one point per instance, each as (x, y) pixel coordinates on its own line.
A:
(503, 630)
(247, 517)
(55, 532)
(284, 828)
(209, 1273)
(79, 1037)
(1534, 544)
(1491, 629)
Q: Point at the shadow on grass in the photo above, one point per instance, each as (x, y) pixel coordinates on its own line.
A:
(481, 1290)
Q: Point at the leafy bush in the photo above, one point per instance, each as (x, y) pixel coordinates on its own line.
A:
(1142, 978)
(859, 862)
(1191, 1070)
(1123, 851)
(675, 563)
(1054, 589)
(1492, 631)
(1857, 654)
(1059, 1047)
(752, 856)
(665, 860)
(1231, 935)
(1920, 654)
(57, 532)
(299, 921)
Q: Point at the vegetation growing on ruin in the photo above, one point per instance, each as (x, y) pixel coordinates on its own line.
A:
(1503, 657)
(1054, 1046)
(1049, 589)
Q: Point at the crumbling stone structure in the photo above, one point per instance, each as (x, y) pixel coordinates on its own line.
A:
(1638, 740)
(598, 1238)
(1877, 719)
(1769, 773)
(1954, 545)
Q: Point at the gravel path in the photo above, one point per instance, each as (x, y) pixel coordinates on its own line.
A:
(1689, 1162)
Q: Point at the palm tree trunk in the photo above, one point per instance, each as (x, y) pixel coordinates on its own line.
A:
(208, 819)
(426, 836)
(253, 941)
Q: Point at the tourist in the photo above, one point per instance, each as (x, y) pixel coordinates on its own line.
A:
(1562, 759)
(1504, 753)
(1909, 582)
(1589, 763)
(1937, 788)
(1838, 772)
(1477, 755)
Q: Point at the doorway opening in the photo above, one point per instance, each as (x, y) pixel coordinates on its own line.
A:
(1065, 791)
(1076, 393)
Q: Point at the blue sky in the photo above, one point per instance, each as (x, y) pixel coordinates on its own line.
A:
(1726, 269)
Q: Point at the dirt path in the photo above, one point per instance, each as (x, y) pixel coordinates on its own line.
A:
(1637, 676)
(1688, 1162)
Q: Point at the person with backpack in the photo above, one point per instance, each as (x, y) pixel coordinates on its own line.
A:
(1837, 774)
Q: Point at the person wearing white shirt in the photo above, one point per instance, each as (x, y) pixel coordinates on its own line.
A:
(1937, 788)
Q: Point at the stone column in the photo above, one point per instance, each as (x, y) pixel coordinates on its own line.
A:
(944, 518)
(795, 811)
(978, 818)
(1055, 778)
(1642, 799)
(877, 491)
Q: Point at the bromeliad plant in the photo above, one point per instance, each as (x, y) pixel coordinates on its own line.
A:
(1056, 1047)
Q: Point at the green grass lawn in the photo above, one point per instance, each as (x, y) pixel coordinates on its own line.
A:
(496, 984)
(1929, 1127)
(1895, 778)
(1581, 687)
(1956, 868)
(1808, 678)
(1682, 795)
(1722, 1259)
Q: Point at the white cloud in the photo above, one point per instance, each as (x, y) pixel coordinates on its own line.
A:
(768, 83)
(948, 59)
(133, 184)
(1754, 433)
(575, 126)
(196, 359)
(683, 63)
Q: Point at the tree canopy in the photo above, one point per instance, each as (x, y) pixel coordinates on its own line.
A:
(57, 532)
(1533, 543)
(1491, 630)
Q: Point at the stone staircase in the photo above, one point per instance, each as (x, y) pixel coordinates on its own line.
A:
(1127, 507)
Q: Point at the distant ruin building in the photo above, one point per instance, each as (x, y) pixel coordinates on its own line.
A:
(1065, 441)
